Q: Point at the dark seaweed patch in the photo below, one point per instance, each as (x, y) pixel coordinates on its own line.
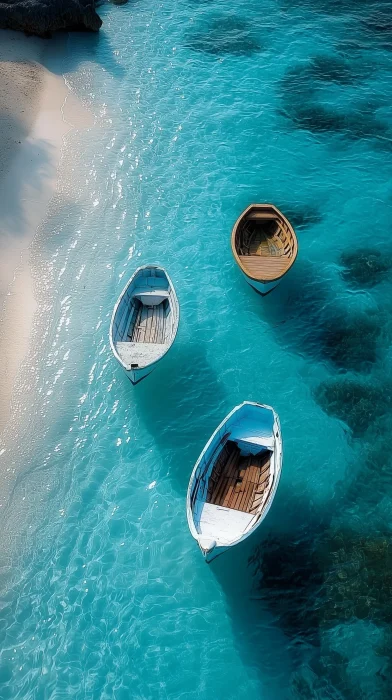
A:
(325, 577)
(301, 101)
(359, 581)
(318, 119)
(331, 69)
(296, 86)
(226, 35)
(350, 344)
(365, 267)
(379, 25)
(356, 403)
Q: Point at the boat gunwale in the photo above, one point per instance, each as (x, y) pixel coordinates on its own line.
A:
(233, 241)
(175, 300)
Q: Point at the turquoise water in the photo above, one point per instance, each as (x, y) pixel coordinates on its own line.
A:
(201, 108)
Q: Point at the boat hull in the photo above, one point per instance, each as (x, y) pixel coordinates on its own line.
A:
(136, 375)
(210, 556)
(262, 288)
(264, 255)
(139, 358)
(259, 426)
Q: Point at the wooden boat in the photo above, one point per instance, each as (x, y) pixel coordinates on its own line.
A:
(144, 322)
(234, 481)
(264, 245)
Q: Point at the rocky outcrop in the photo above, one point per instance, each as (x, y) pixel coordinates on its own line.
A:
(42, 17)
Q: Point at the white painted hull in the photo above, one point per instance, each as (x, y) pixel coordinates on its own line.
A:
(210, 556)
(143, 299)
(217, 527)
(262, 288)
(136, 375)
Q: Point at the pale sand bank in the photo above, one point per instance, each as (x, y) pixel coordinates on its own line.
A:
(36, 112)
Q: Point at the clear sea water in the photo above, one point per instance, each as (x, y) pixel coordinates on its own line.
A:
(201, 108)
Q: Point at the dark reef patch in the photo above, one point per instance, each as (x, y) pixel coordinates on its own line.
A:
(226, 35)
(357, 403)
(378, 24)
(302, 80)
(351, 344)
(332, 69)
(325, 577)
(319, 582)
(305, 318)
(317, 118)
(365, 267)
(359, 580)
(302, 101)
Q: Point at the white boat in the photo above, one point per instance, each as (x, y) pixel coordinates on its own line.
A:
(144, 322)
(234, 481)
(264, 246)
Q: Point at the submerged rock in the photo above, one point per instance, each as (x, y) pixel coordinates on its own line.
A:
(350, 344)
(365, 267)
(356, 403)
(41, 17)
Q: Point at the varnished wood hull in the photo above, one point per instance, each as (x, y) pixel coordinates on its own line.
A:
(262, 288)
(264, 246)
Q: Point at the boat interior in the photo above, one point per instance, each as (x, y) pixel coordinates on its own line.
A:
(148, 322)
(240, 482)
(265, 244)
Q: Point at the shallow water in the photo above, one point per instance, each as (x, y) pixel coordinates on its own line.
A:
(200, 109)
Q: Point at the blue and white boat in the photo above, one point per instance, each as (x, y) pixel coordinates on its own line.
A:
(235, 479)
(144, 322)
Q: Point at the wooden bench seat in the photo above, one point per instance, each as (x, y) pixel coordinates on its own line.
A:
(261, 215)
(265, 267)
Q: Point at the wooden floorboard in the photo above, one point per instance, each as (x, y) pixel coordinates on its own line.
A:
(240, 483)
(149, 325)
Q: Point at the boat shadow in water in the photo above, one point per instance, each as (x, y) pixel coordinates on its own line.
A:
(294, 308)
(308, 317)
(300, 597)
(181, 403)
(267, 601)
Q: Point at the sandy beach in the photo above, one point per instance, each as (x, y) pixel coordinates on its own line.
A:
(36, 111)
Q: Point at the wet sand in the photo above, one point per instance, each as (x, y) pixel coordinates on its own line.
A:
(36, 111)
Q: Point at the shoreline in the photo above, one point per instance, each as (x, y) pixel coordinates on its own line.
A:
(35, 116)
